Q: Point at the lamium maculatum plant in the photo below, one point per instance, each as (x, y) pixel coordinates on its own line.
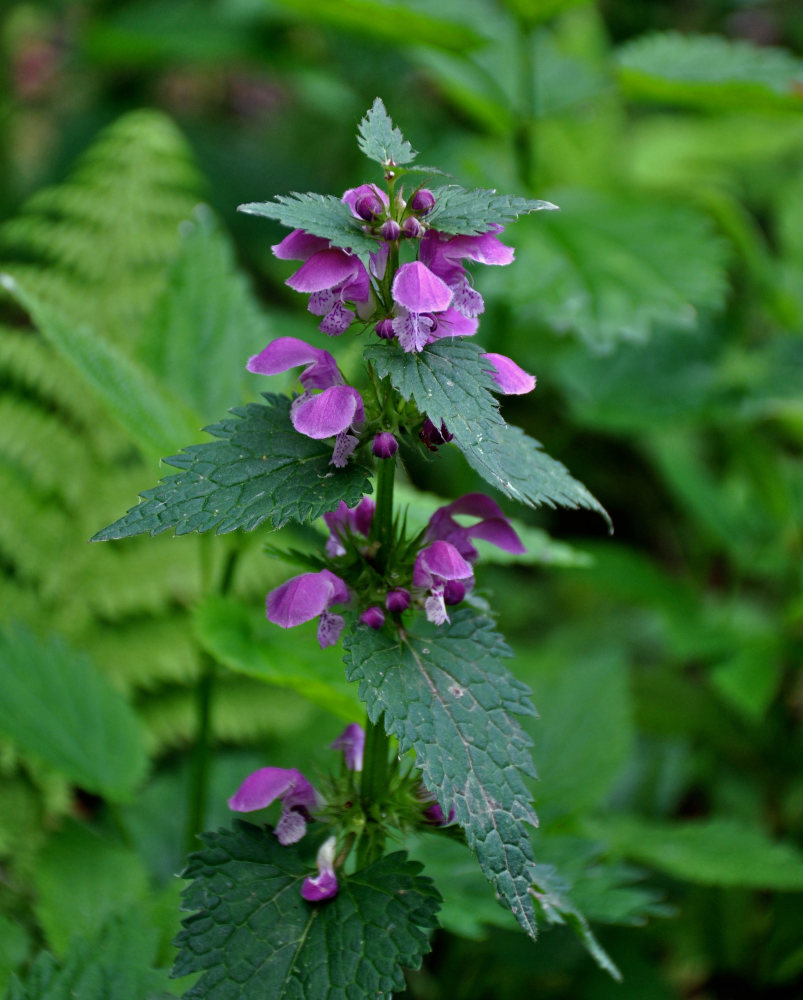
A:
(327, 902)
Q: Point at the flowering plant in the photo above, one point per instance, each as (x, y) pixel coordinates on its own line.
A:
(318, 904)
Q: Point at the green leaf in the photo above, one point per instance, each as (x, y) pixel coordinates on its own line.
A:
(321, 215)
(205, 319)
(610, 267)
(58, 708)
(380, 141)
(719, 852)
(708, 71)
(445, 694)
(468, 213)
(253, 934)
(551, 896)
(449, 382)
(114, 965)
(240, 638)
(148, 413)
(81, 881)
(261, 469)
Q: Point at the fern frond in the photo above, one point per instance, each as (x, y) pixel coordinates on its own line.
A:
(127, 195)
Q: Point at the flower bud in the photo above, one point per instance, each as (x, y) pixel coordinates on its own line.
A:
(423, 201)
(411, 227)
(373, 617)
(384, 445)
(397, 599)
(390, 230)
(432, 437)
(384, 329)
(453, 592)
(368, 207)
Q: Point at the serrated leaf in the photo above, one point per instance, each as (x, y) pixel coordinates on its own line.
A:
(254, 935)
(321, 215)
(205, 317)
(450, 383)
(611, 267)
(113, 965)
(445, 694)
(708, 71)
(146, 410)
(551, 895)
(380, 140)
(260, 469)
(81, 881)
(58, 708)
(468, 213)
(242, 639)
(718, 852)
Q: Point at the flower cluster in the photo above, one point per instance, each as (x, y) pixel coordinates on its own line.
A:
(301, 803)
(441, 573)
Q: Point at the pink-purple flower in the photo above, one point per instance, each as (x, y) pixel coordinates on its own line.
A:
(336, 411)
(309, 596)
(345, 522)
(493, 526)
(352, 742)
(324, 885)
(436, 567)
(511, 379)
(297, 796)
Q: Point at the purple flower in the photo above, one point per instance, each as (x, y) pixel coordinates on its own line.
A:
(334, 412)
(512, 380)
(373, 617)
(434, 814)
(364, 195)
(352, 742)
(397, 599)
(297, 795)
(330, 276)
(384, 445)
(324, 885)
(443, 254)
(347, 521)
(435, 566)
(419, 293)
(432, 437)
(306, 597)
(493, 526)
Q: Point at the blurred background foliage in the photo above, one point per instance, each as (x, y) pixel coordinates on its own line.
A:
(662, 311)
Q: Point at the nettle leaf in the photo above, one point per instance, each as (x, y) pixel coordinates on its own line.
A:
(611, 267)
(380, 141)
(58, 708)
(445, 694)
(551, 896)
(450, 383)
(254, 935)
(468, 213)
(261, 469)
(708, 71)
(321, 215)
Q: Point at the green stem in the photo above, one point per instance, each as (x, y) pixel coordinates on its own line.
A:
(383, 518)
(374, 783)
(198, 793)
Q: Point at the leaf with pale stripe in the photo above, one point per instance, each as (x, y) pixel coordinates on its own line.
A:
(251, 934)
(445, 694)
(259, 469)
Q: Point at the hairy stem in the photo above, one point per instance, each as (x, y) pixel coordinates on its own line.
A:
(198, 792)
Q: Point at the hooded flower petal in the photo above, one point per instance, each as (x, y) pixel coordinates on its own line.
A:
(352, 742)
(512, 380)
(305, 597)
(267, 784)
(419, 290)
(325, 269)
(285, 353)
(324, 885)
(438, 563)
(299, 245)
(330, 412)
